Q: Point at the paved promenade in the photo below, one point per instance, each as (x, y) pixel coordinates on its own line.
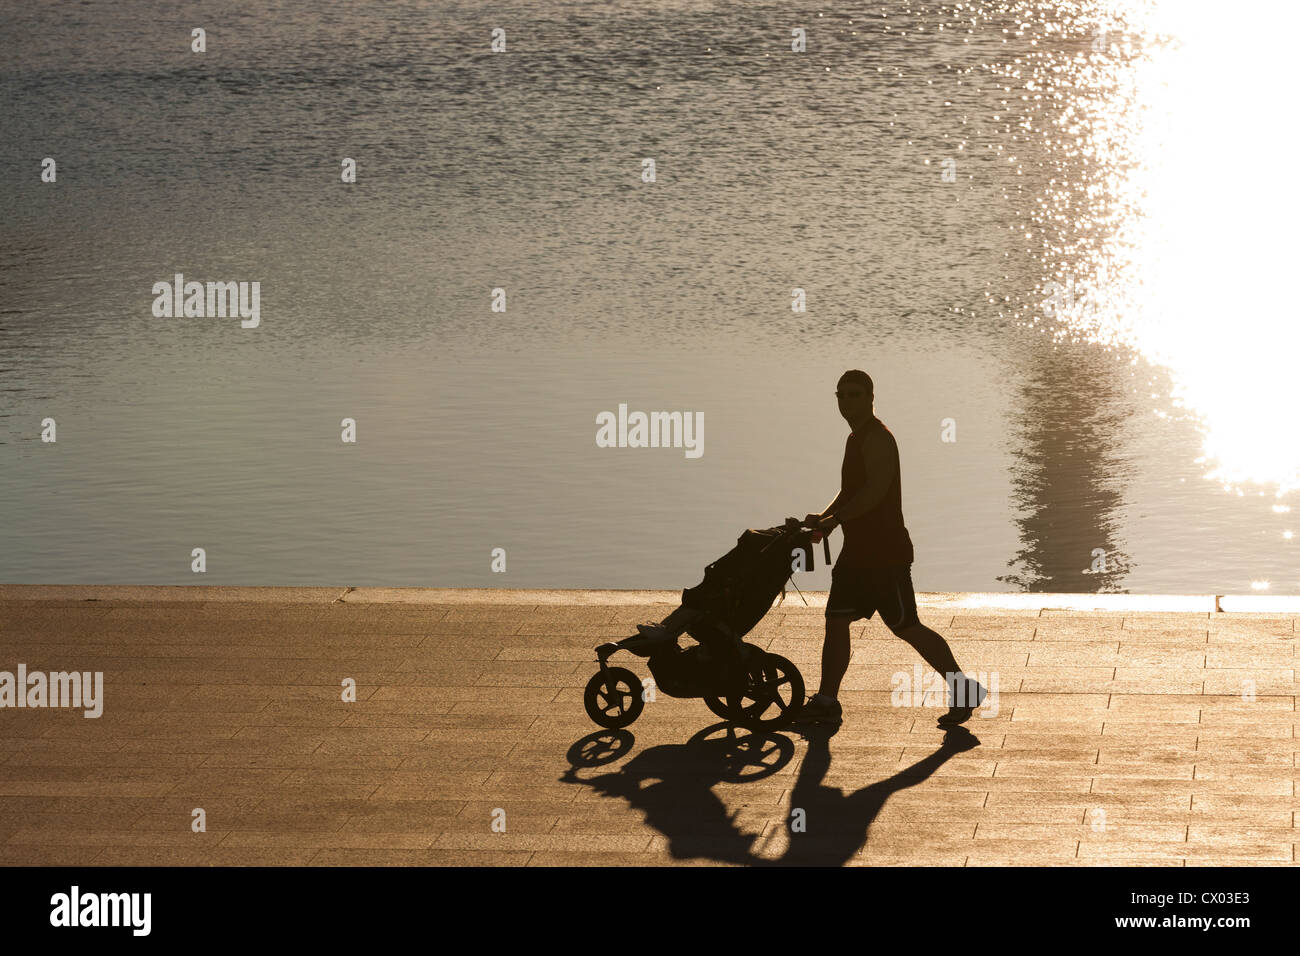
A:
(1120, 737)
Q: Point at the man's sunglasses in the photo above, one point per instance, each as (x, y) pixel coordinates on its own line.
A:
(853, 394)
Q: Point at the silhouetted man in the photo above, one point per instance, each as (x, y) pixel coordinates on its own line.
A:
(873, 571)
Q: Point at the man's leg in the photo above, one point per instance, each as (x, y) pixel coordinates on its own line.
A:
(934, 650)
(898, 610)
(964, 694)
(835, 654)
(842, 608)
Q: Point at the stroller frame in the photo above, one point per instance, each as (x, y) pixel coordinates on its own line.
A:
(739, 681)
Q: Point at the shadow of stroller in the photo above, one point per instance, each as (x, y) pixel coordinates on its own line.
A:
(837, 823)
(672, 785)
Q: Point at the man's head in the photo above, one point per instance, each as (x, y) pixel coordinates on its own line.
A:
(856, 396)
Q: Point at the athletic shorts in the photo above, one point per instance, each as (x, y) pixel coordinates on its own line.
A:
(861, 592)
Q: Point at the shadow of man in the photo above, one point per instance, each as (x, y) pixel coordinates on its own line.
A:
(838, 824)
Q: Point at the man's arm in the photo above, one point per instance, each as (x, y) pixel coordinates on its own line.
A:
(880, 457)
(826, 517)
(835, 503)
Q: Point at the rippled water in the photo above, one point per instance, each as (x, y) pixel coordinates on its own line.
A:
(1086, 421)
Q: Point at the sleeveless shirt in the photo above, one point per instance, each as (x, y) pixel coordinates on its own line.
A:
(877, 538)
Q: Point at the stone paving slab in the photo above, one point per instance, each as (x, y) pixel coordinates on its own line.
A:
(1122, 736)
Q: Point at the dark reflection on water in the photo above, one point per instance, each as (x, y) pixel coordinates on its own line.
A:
(1069, 474)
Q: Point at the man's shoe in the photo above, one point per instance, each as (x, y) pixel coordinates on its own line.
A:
(971, 697)
(818, 711)
(652, 631)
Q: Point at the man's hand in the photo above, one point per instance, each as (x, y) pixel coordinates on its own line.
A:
(819, 521)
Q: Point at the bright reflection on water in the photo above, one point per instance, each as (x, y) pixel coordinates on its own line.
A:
(1187, 253)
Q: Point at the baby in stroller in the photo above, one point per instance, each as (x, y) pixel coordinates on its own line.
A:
(673, 625)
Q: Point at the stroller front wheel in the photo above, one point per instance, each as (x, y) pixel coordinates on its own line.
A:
(613, 698)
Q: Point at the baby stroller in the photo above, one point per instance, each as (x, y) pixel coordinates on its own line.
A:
(739, 681)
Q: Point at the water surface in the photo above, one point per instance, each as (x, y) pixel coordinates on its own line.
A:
(1086, 423)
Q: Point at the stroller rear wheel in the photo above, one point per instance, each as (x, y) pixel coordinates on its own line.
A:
(718, 706)
(774, 693)
(613, 697)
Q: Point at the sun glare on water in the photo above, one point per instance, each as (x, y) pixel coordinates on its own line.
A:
(1198, 272)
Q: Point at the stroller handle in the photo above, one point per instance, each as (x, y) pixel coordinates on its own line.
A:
(794, 524)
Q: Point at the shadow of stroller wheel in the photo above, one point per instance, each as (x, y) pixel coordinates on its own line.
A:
(744, 755)
(598, 748)
(774, 695)
(613, 698)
